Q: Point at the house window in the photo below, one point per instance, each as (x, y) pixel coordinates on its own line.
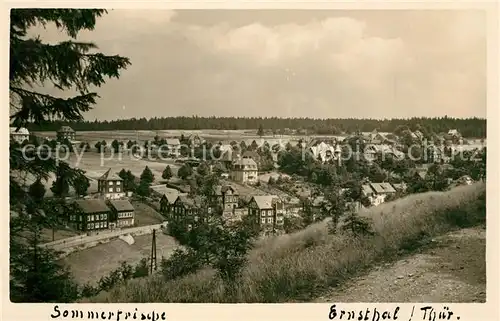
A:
(105, 216)
(118, 183)
(118, 190)
(269, 220)
(263, 220)
(263, 213)
(110, 183)
(101, 217)
(88, 226)
(110, 189)
(91, 218)
(91, 225)
(80, 218)
(105, 224)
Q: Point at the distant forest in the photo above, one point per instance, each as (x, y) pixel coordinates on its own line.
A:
(468, 127)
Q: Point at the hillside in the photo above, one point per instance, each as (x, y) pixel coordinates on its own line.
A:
(311, 263)
(451, 268)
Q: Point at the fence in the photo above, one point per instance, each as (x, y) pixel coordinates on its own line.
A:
(75, 241)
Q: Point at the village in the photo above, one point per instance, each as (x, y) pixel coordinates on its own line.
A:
(252, 182)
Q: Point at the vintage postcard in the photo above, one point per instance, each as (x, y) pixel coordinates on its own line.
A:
(285, 154)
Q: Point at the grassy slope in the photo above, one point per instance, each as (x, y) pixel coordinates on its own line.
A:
(299, 266)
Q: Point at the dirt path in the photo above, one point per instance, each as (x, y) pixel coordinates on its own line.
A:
(451, 269)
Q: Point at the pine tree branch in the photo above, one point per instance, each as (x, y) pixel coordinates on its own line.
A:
(36, 107)
(67, 64)
(69, 20)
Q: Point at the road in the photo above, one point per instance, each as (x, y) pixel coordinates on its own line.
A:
(452, 269)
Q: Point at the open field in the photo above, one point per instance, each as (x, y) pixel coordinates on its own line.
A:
(89, 265)
(214, 135)
(94, 166)
(145, 215)
(301, 266)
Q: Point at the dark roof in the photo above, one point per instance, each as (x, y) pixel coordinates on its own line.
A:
(121, 205)
(172, 197)
(66, 129)
(92, 206)
(219, 190)
(108, 176)
(381, 188)
(189, 202)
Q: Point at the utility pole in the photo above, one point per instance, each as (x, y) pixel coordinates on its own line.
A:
(153, 253)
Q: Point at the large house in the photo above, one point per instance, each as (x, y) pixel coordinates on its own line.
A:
(377, 192)
(226, 197)
(19, 135)
(195, 140)
(122, 213)
(173, 145)
(92, 215)
(186, 209)
(66, 132)
(167, 201)
(110, 186)
(269, 213)
(245, 171)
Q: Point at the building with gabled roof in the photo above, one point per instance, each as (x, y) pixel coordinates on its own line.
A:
(122, 213)
(225, 196)
(245, 170)
(269, 213)
(19, 135)
(383, 188)
(110, 186)
(66, 132)
(91, 215)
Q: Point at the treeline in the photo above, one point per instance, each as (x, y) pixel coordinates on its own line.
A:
(468, 127)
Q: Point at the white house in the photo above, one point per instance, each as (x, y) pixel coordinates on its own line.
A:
(245, 171)
(19, 135)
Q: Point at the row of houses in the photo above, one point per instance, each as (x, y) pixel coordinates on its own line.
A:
(268, 210)
(99, 214)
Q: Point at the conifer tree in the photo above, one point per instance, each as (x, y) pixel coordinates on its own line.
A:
(36, 275)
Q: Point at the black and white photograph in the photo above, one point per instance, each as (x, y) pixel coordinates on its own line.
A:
(247, 156)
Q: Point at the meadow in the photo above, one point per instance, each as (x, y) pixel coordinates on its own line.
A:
(90, 264)
(298, 267)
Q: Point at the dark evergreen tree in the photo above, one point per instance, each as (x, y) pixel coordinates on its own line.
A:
(147, 176)
(167, 173)
(82, 184)
(36, 275)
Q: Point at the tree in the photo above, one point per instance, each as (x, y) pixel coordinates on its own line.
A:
(167, 173)
(60, 187)
(334, 206)
(147, 176)
(203, 169)
(185, 171)
(82, 184)
(143, 189)
(357, 225)
(115, 145)
(260, 131)
(128, 180)
(99, 147)
(37, 191)
(36, 274)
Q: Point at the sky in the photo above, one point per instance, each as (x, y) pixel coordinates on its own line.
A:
(291, 63)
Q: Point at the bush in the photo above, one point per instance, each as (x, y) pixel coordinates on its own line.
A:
(181, 263)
